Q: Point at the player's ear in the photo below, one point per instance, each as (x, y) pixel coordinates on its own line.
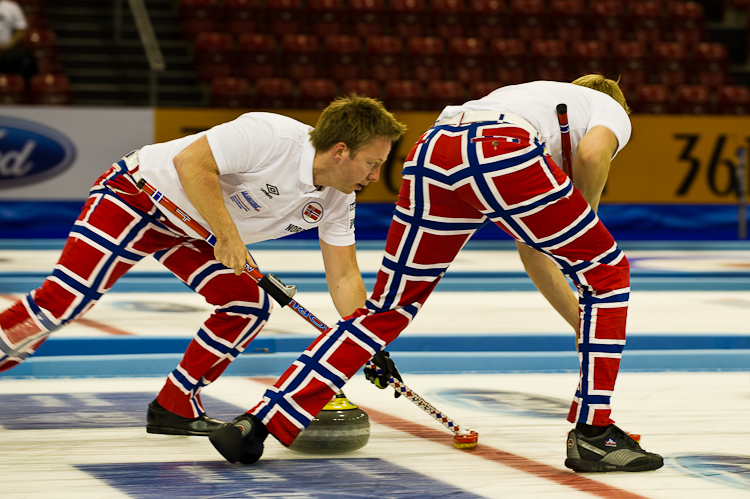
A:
(338, 151)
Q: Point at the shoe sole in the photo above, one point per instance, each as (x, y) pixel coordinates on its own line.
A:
(600, 467)
(162, 430)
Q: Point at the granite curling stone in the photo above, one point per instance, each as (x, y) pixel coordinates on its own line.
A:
(340, 426)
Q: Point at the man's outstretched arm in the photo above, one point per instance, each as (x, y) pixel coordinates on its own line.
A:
(590, 169)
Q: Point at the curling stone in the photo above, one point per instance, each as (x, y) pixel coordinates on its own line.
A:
(340, 426)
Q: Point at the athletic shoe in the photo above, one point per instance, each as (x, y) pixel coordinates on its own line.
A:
(613, 450)
(159, 420)
(241, 440)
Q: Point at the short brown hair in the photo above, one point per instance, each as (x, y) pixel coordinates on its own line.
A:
(355, 121)
(605, 85)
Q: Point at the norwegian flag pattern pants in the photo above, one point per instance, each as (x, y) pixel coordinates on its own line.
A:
(455, 180)
(118, 226)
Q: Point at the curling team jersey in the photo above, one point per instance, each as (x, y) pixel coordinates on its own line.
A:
(537, 101)
(266, 166)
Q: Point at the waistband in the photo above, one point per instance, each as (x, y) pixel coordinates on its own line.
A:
(480, 116)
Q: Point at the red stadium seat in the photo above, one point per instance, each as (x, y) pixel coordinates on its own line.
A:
(404, 95)
(710, 64)
(653, 99)
(408, 18)
(368, 88)
(197, 16)
(686, 21)
(243, 16)
(530, 19)
(201, 9)
(367, 17)
(383, 57)
(342, 55)
(479, 89)
(300, 56)
(326, 17)
(316, 93)
(41, 43)
(550, 60)
(445, 93)
(274, 93)
(670, 62)
(490, 18)
(230, 92)
(468, 58)
(589, 56)
(630, 60)
(693, 99)
(257, 55)
(509, 60)
(608, 20)
(449, 18)
(51, 89)
(426, 56)
(570, 21)
(213, 47)
(733, 99)
(12, 89)
(646, 21)
(285, 17)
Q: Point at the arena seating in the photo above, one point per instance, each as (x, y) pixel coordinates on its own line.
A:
(49, 86)
(404, 95)
(733, 99)
(449, 18)
(12, 89)
(426, 58)
(230, 92)
(50, 89)
(326, 17)
(341, 57)
(508, 61)
(445, 93)
(693, 99)
(277, 93)
(368, 88)
(570, 20)
(242, 16)
(651, 43)
(316, 93)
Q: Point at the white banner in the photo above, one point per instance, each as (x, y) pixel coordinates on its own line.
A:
(56, 153)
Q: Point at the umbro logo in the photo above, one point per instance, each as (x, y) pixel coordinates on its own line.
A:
(270, 191)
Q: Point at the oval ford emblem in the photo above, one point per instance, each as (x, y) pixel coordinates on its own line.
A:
(31, 152)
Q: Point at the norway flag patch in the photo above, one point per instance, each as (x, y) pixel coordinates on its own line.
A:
(312, 213)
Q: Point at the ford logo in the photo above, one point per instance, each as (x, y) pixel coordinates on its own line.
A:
(31, 152)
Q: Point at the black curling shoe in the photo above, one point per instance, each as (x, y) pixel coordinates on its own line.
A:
(241, 440)
(160, 420)
(613, 450)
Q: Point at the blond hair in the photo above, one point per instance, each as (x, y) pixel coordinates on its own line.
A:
(356, 121)
(604, 85)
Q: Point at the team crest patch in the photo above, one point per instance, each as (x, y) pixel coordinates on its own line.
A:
(312, 213)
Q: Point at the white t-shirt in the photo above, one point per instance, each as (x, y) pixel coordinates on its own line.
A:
(265, 162)
(537, 101)
(11, 19)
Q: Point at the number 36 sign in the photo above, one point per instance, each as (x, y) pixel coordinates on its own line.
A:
(679, 159)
